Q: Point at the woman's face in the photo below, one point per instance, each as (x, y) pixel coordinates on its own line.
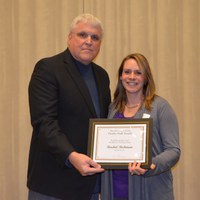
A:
(132, 77)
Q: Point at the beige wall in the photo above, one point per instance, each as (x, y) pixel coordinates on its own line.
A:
(165, 31)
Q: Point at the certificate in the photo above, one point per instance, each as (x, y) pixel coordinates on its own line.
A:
(113, 143)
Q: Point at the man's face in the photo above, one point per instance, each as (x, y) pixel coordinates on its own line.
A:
(84, 42)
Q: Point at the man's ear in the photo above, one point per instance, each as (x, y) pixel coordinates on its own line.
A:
(69, 37)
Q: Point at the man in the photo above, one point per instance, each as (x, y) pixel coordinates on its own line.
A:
(65, 91)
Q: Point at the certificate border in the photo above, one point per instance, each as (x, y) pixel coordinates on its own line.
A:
(120, 165)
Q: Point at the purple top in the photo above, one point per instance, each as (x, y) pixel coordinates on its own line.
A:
(120, 177)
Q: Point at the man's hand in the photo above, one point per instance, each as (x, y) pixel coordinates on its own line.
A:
(84, 164)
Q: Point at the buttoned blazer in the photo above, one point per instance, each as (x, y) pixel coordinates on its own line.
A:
(60, 108)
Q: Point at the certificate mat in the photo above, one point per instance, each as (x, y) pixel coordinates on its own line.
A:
(113, 143)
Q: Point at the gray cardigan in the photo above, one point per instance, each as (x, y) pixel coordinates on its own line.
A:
(158, 183)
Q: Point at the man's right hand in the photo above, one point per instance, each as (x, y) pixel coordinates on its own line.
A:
(84, 164)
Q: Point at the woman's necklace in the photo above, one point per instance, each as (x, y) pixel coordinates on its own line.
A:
(130, 111)
(133, 106)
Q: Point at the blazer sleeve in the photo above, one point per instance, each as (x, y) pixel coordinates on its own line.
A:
(43, 102)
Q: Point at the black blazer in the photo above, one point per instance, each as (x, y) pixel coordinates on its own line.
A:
(60, 107)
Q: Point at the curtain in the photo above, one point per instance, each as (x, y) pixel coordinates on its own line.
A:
(165, 31)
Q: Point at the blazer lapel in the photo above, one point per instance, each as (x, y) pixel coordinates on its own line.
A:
(79, 81)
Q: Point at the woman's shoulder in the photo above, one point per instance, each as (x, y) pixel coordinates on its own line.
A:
(161, 104)
(159, 101)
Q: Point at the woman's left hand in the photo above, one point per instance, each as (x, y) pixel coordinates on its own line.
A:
(135, 168)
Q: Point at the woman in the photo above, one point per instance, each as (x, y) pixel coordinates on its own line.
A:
(135, 97)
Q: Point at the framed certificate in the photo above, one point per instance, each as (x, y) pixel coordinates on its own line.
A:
(113, 143)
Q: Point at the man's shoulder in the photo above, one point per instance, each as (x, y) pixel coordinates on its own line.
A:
(53, 61)
(51, 65)
(55, 57)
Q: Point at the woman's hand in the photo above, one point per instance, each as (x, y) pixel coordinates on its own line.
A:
(135, 168)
